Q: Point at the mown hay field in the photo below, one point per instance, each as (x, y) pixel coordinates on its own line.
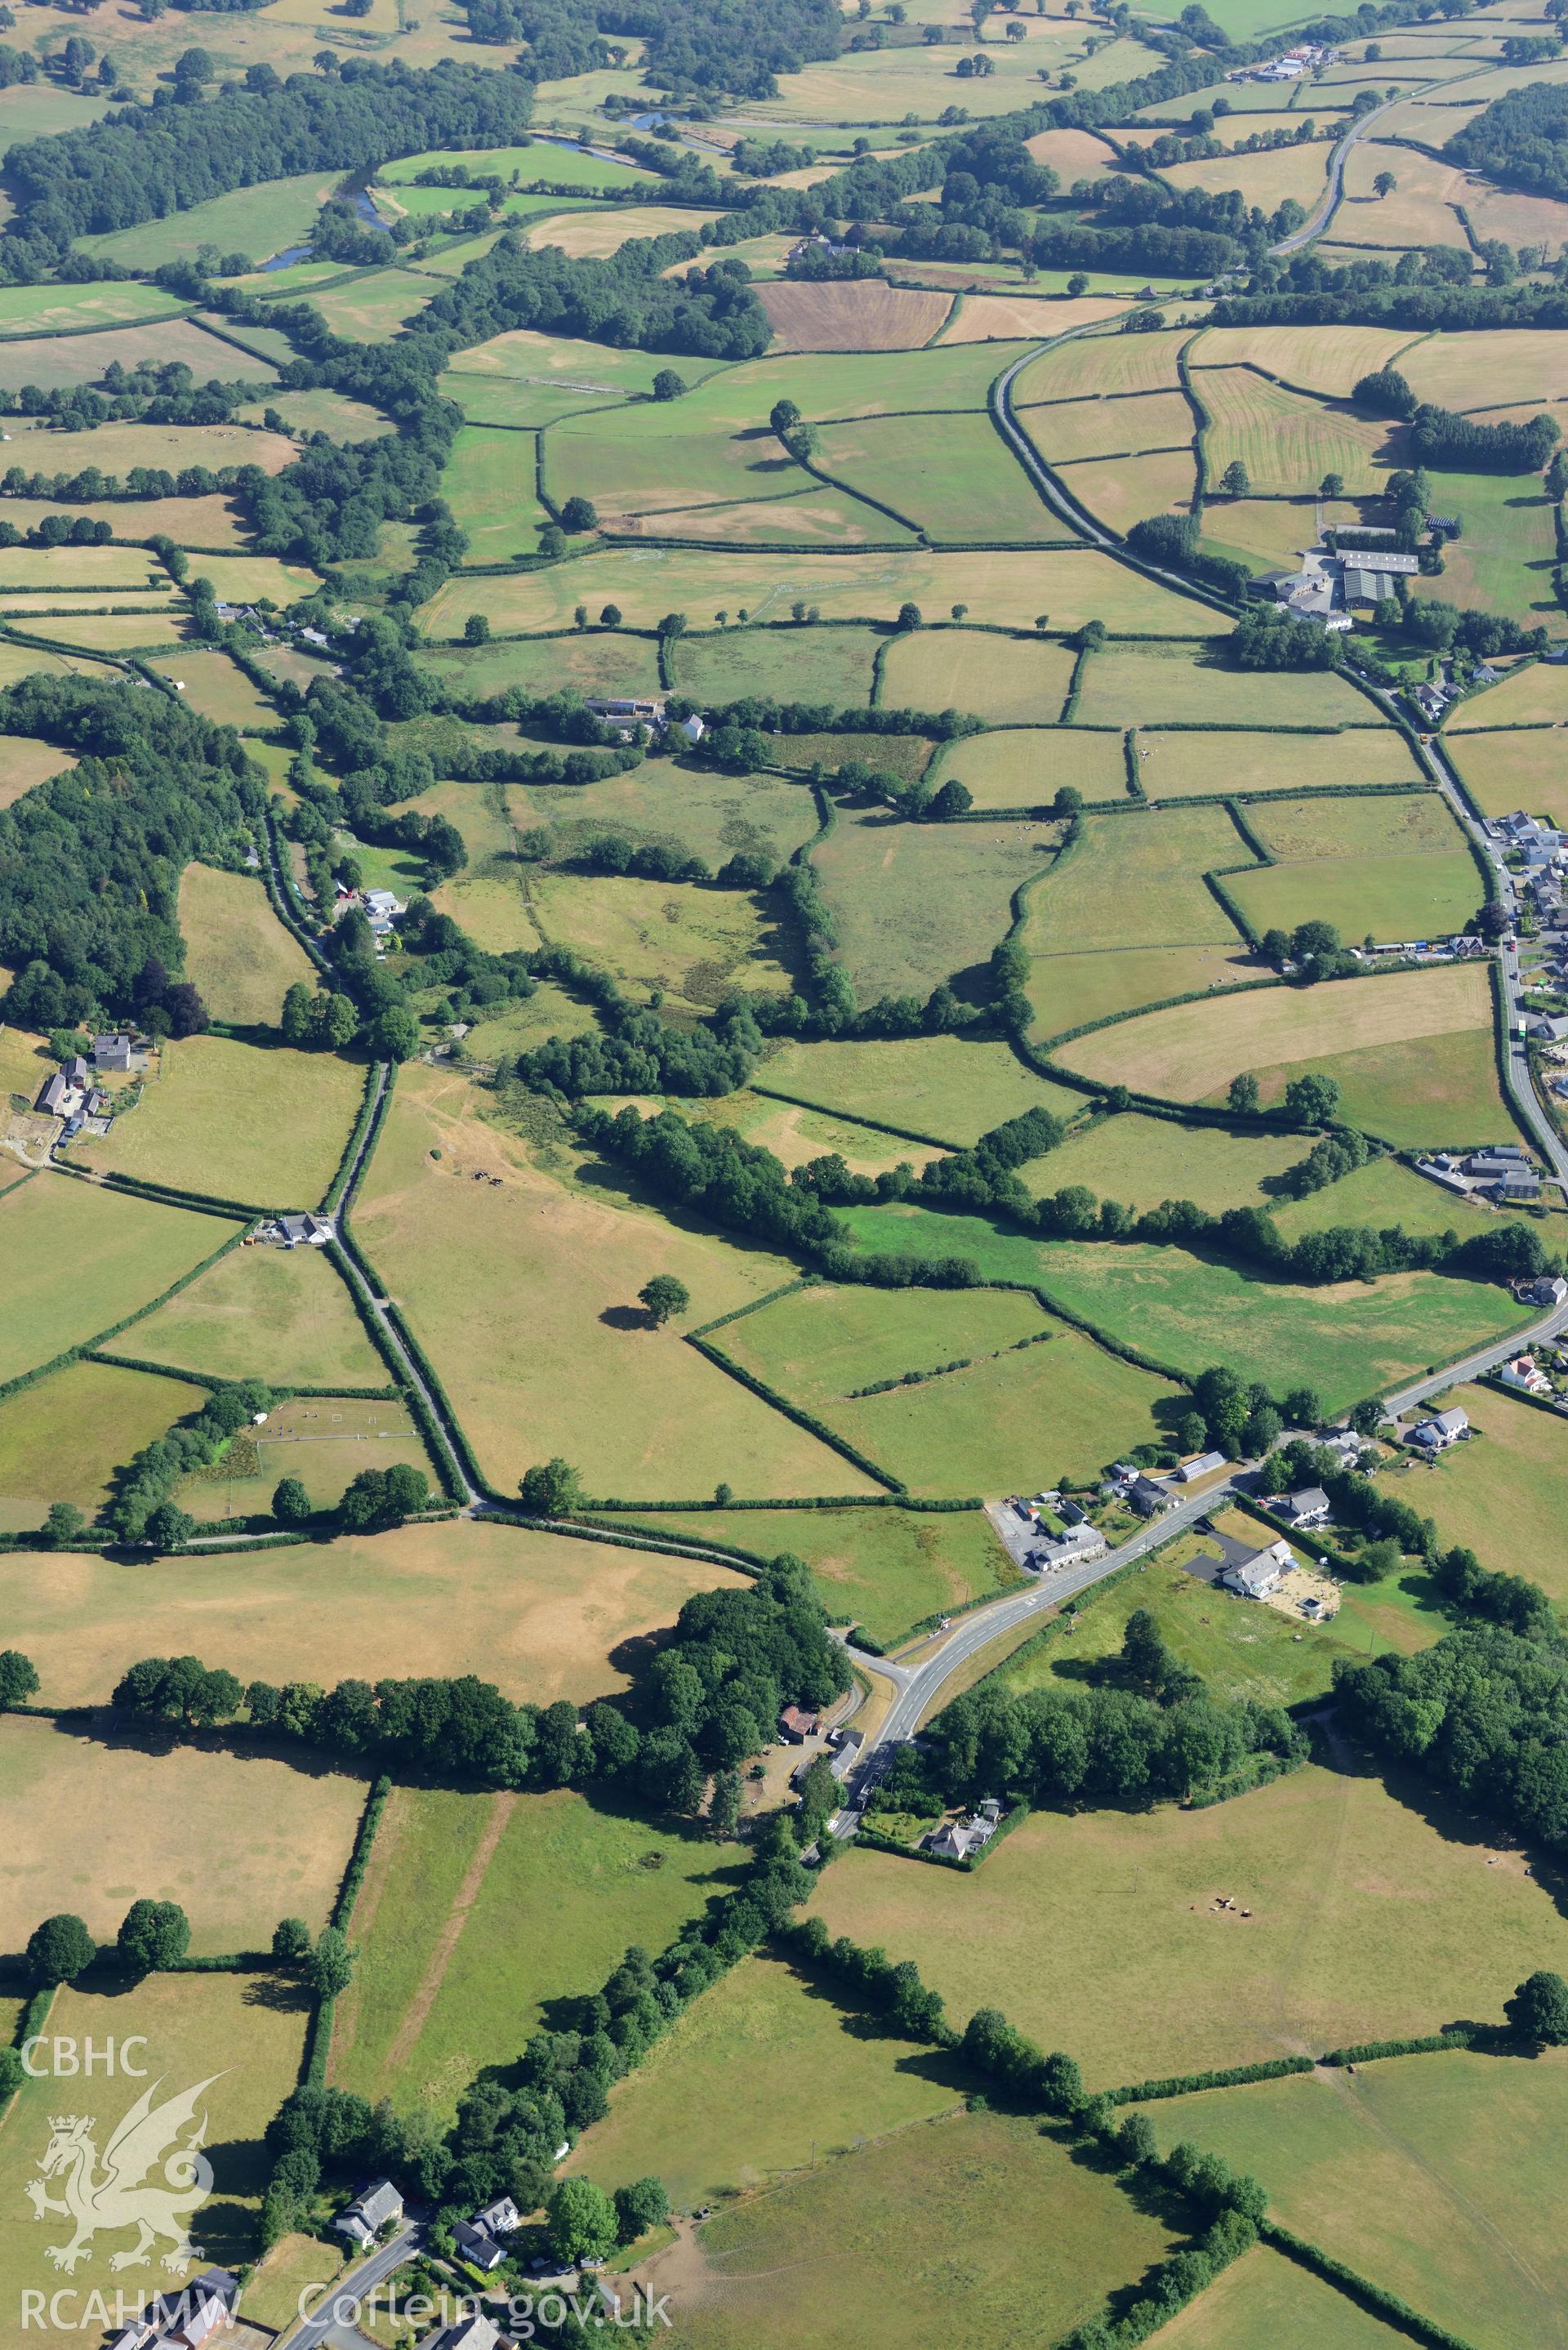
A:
(218, 688)
(826, 667)
(94, 1825)
(1142, 1160)
(885, 1568)
(488, 481)
(1504, 562)
(26, 762)
(1328, 359)
(913, 904)
(1509, 1477)
(1344, 1338)
(200, 524)
(1123, 490)
(1097, 365)
(1506, 771)
(245, 578)
(1189, 764)
(995, 677)
(961, 482)
(1065, 431)
(1144, 685)
(1009, 590)
(80, 1258)
(371, 309)
(695, 943)
(1011, 2233)
(1193, 1050)
(63, 1440)
(1468, 370)
(1135, 881)
(238, 954)
(542, 1616)
(1267, 179)
(478, 1910)
(1533, 694)
(265, 1126)
(524, 1295)
(1274, 531)
(944, 1087)
(1069, 990)
(1422, 210)
(1373, 1914)
(858, 316)
(1376, 2168)
(998, 317)
(762, 2078)
(1024, 766)
(280, 1314)
(592, 234)
(242, 2034)
(1286, 442)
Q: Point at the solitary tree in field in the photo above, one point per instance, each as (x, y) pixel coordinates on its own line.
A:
(476, 628)
(1234, 480)
(1311, 1099)
(1332, 486)
(664, 1296)
(958, 610)
(1077, 284)
(610, 617)
(1384, 185)
(1243, 1093)
(290, 1502)
(330, 1966)
(18, 1675)
(668, 385)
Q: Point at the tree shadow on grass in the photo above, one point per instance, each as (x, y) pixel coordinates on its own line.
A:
(628, 1318)
(1449, 1818)
(280, 1995)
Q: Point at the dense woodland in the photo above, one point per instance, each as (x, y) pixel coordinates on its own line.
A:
(1521, 137)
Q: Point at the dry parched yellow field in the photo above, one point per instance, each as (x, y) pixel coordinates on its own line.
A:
(1193, 1049)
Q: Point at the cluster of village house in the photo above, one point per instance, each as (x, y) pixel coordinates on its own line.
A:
(185, 2317)
(382, 910)
(1539, 880)
(74, 1094)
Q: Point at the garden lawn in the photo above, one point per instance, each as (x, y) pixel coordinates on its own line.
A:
(762, 2075)
(1439, 2177)
(1345, 1339)
(240, 2038)
(238, 954)
(822, 666)
(1142, 1160)
(1374, 1915)
(948, 1088)
(1145, 685)
(1500, 1493)
(285, 1316)
(79, 1258)
(1188, 764)
(539, 1615)
(94, 1824)
(263, 1125)
(916, 904)
(1514, 770)
(523, 1294)
(479, 1911)
(995, 677)
(1069, 991)
(886, 1568)
(1020, 767)
(975, 2226)
(1136, 880)
(63, 1440)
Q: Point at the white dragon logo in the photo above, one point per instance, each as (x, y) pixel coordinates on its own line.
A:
(116, 2197)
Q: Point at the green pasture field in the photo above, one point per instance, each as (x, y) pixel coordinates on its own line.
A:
(1500, 1493)
(920, 82)
(995, 677)
(239, 2038)
(323, 1441)
(280, 1314)
(51, 310)
(1067, 430)
(1401, 824)
(51, 360)
(711, 814)
(830, 666)
(218, 688)
(1374, 1915)
(488, 482)
(1375, 2170)
(17, 661)
(545, 1893)
(80, 1258)
(915, 904)
(1011, 2235)
(1145, 685)
(1026, 766)
(259, 221)
(37, 110)
(122, 571)
(1276, 531)
(1143, 1160)
(1504, 561)
(1068, 990)
(557, 363)
(945, 1086)
(524, 1295)
(908, 756)
(839, 386)
(1264, 2297)
(1423, 1092)
(1365, 896)
(961, 482)
(1266, 179)
(263, 1125)
(1190, 1051)
(884, 1568)
(247, 578)
(695, 943)
(1135, 881)
(26, 1061)
(820, 1345)
(89, 1815)
(537, 159)
(63, 1440)
(153, 633)
(1344, 1338)
(321, 411)
(519, 1024)
(714, 444)
(27, 761)
(815, 2083)
(116, 448)
(238, 953)
(1010, 588)
(538, 1615)
(371, 309)
(1185, 765)
(499, 400)
(598, 661)
(1506, 771)
(1383, 1192)
(492, 909)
